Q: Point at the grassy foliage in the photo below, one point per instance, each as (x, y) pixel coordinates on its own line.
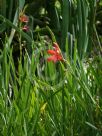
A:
(41, 98)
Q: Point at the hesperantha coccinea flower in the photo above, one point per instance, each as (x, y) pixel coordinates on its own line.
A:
(55, 54)
(25, 28)
(24, 18)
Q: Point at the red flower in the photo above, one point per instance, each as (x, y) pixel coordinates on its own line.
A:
(24, 18)
(55, 54)
(25, 28)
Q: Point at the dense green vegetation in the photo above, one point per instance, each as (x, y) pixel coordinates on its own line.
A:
(51, 68)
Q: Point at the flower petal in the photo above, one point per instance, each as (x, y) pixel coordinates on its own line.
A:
(52, 58)
(59, 57)
(51, 52)
(24, 18)
(25, 28)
